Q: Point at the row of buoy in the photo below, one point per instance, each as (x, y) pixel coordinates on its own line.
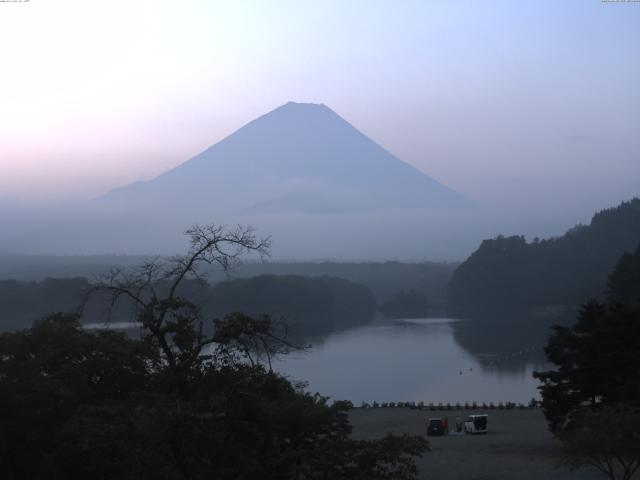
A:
(448, 406)
(514, 355)
(499, 359)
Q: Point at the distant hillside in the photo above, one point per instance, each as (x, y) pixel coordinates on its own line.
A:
(309, 305)
(22, 303)
(509, 271)
(384, 279)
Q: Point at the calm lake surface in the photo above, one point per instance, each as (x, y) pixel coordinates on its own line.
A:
(430, 360)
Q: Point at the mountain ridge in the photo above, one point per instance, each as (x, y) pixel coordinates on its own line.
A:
(296, 149)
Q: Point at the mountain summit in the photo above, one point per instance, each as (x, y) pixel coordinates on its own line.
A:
(299, 158)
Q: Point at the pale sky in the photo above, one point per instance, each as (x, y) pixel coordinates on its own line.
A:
(527, 103)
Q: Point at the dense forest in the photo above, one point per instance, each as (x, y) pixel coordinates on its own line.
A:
(384, 279)
(511, 272)
(406, 304)
(22, 303)
(309, 305)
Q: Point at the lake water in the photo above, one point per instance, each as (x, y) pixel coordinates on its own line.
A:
(430, 360)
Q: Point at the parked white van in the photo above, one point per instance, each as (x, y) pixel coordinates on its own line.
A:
(476, 424)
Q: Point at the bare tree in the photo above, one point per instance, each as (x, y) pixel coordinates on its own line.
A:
(171, 322)
(252, 338)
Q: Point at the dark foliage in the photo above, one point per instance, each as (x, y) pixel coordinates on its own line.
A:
(23, 302)
(567, 270)
(592, 398)
(177, 403)
(597, 362)
(77, 405)
(310, 305)
(624, 282)
(406, 304)
(49, 374)
(607, 439)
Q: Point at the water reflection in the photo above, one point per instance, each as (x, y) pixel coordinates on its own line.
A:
(481, 359)
(509, 341)
(433, 360)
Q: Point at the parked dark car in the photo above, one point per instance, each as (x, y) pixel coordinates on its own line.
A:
(435, 427)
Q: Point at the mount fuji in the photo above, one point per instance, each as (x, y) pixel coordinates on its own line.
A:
(299, 158)
(300, 174)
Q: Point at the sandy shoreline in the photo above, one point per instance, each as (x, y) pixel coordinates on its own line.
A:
(518, 445)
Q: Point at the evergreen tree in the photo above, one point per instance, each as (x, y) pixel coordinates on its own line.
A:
(592, 398)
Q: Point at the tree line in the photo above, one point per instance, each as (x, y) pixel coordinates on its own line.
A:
(511, 272)
(311, 305)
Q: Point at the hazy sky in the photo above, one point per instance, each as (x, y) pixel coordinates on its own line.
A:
(527, 103)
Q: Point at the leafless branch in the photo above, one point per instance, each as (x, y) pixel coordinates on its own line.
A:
(144, 287)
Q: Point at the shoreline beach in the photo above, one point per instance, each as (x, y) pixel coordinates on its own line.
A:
(518, 445)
